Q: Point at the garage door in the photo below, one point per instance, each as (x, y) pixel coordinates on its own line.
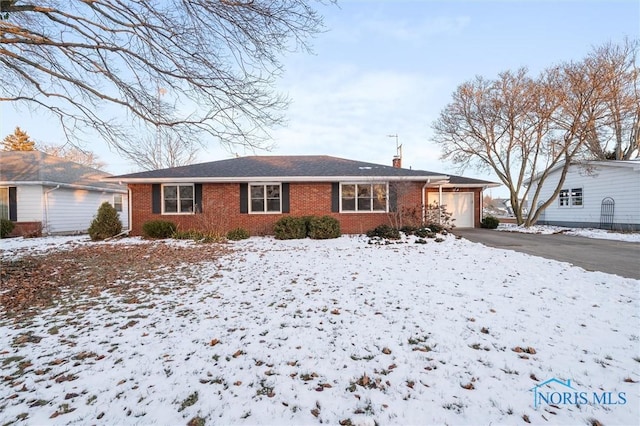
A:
(459, 204)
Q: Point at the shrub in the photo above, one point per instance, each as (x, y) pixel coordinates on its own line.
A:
(425, 233)
(324, 227)
(238, 234)
(290, 228)
(384, 231)
(436, 227)
(409, 229)
(159, 229)
(6, 226)
(489, 222)
(198, 236)
(106, 223)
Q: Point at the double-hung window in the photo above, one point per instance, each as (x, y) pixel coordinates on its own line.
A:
(265, 198)
(177, 199)
(563, 197)
(363, 197)
(4, 203)
(117, 202)
(576, 197)
(570, 197)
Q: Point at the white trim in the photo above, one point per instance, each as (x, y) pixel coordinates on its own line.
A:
(291, 179)
(386, 207)
(62, 185)
(178, 213)
(264, 185)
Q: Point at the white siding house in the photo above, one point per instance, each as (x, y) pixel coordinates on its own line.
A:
(595, 194)
(51, 195)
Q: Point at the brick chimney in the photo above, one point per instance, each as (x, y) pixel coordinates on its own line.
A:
(397, 162)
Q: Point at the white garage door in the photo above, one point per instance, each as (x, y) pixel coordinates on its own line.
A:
(459, 204)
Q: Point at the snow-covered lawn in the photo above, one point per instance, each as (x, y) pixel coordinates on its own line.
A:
(633, 237)
(336, 332)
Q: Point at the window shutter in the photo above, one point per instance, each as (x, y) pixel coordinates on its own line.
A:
(335, 197)
(393, 198)
(13, 204)
(198, 197)
(156, 198)
(285, 198)
(244, 198)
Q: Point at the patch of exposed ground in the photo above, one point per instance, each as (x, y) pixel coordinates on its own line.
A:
(32, 282)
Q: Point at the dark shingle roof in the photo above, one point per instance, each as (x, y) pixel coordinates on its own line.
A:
(316, 167)
(38, 167)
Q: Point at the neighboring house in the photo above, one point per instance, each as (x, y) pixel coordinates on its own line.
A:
(41, 193)
(255, 192)
(595, 194)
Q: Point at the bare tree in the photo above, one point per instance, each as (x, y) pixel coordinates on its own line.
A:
(75, 154)
(616, 135)
(520, 127)
(161, 150)
(96, 65)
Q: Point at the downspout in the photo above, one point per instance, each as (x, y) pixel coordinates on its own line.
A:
(424, 199)
(46, 206)
(440, 204)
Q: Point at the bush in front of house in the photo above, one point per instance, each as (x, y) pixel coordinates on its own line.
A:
(424, 232)
(159, 229)
(238, 234)
(290, 228)
(323, 227)
(6, 226)
(490, 222)
(384, 231)
(106, 223)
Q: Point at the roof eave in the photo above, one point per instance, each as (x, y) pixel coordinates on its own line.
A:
(237, 179)
(63, 185)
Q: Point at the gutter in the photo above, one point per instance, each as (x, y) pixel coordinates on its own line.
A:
(241, 179)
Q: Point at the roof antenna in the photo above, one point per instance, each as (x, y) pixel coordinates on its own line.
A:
(397, 159)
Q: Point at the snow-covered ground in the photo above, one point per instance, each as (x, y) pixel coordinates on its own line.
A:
(633, 237)
(334, 331)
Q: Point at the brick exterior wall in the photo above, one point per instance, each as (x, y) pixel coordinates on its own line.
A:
(221, 209)
(26, 229)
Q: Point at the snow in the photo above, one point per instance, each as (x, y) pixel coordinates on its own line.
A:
(329, 331)
(633, 237)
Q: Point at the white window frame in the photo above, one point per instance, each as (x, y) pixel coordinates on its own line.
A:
(568, 199)
(264, 198)
(371, 185)
(118, 205)
(575, 198)
(178, 201)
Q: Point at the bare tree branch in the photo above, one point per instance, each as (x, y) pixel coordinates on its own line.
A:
(96, 65)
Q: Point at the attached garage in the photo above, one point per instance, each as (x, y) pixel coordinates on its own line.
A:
(459, 204)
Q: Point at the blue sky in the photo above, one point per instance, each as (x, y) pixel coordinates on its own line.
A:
(390, 67)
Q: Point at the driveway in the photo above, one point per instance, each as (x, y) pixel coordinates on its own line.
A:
(613, 257)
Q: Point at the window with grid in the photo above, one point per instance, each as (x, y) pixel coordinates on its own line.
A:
(177, 199)
(363, 197)
(265, 198)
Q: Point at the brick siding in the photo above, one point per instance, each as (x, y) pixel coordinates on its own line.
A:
(221, 209)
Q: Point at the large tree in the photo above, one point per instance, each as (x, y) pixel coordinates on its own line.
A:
(522, 127)
(161, 150)
(617, 134)
(97, 65)
(19, 140)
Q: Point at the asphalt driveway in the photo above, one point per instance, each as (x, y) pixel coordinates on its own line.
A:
(613, 257)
